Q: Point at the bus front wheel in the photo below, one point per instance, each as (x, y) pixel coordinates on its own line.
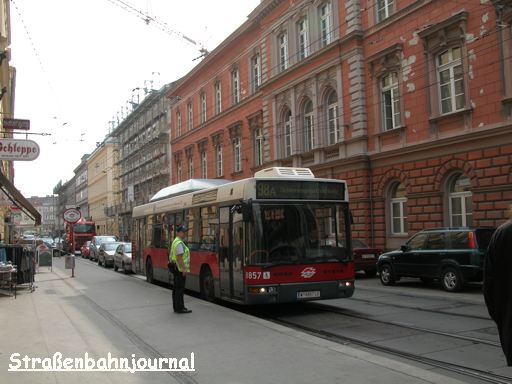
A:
(149, 271)
(207, 287)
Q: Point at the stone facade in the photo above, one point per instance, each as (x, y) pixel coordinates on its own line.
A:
(409, 101)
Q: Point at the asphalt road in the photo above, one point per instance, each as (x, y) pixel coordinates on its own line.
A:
(410, 316)
(103, 311)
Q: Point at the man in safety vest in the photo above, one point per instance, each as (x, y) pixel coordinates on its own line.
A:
(180, 256)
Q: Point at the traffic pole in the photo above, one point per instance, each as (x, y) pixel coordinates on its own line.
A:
(72, 250)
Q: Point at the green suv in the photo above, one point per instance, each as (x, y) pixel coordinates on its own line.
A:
(452, 255)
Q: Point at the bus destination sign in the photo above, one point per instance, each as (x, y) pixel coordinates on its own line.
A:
(299, 190)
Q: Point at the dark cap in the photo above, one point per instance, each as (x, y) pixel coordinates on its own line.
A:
(182, 228)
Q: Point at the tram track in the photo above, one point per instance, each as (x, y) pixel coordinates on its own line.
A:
(303, 318)
(484, 376)
(328, 308)
(430, 310)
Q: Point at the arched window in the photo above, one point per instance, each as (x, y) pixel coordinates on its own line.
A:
(287, 133)
(398, 209)
(333, 130)
(309, 126)
(460, 201)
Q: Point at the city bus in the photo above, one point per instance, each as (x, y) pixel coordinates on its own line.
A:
(280, 236)
(83, 231)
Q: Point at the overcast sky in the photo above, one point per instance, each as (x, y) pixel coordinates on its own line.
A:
(80, 61)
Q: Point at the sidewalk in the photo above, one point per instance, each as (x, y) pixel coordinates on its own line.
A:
(67, 315)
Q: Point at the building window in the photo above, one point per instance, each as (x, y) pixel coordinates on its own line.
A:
(325, 24)
(190, 167)
(398, 210)
(333, 128)
(390, 101)
(203, 107)
(237, 154)
(451, 80)
(235, 86)
(256, 72)
(288, 133)
(218, 159)
(218, 98)
(283, 51)
(178, 171)
(309, 127)
(460, 201)
(258, 146)
(384, 9)
(204, 165)
(303, 38)
(190, 121)
(178, 124)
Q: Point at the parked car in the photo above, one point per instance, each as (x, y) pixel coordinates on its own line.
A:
(49, 242)
(95, 245)
(452, 255)
(365, 257)
(106, 253)
(85, 249)
(123, 257)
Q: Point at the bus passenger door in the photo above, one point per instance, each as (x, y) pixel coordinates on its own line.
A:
(237, 246)
(231, 251)
(224, 252)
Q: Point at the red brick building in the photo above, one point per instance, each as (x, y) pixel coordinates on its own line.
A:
(409, 101)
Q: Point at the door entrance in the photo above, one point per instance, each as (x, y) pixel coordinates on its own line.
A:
(231, 254)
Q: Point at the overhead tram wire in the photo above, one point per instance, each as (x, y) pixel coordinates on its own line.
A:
(150, 20)
(332, 31)
(37, 55)
(300, 131)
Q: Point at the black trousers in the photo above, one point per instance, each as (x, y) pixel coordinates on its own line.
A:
(178, 291)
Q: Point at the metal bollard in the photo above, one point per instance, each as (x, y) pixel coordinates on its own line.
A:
(69, 263)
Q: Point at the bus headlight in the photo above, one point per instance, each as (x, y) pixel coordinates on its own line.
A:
(257, 290)
(344, 284)
(261, 290)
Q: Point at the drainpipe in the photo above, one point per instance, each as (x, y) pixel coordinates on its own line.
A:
(370, 183)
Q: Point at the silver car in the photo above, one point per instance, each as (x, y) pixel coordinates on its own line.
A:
(106, 253)
(94, 247)
(123, 257)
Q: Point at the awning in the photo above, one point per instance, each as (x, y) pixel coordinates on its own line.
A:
(18, 199)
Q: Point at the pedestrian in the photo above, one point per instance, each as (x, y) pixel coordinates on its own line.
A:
(498, 284)
(180, 258)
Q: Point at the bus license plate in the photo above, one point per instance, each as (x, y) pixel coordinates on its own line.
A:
(368, 256)
(308, 294)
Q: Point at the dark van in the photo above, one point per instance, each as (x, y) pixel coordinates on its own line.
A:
(452, 255)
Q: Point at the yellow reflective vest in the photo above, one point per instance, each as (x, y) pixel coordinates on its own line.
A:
(186, 254)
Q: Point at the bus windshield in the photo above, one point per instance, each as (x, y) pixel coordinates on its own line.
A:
(300, 233)
(83, 228)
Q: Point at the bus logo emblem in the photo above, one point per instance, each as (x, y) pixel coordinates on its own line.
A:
(266, 275)
(308, 272)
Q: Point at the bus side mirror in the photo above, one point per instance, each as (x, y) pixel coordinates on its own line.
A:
(247, 211)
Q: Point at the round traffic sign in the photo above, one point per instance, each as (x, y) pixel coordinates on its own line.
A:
(72, 215)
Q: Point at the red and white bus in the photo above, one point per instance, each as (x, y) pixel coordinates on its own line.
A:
(281, 236)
